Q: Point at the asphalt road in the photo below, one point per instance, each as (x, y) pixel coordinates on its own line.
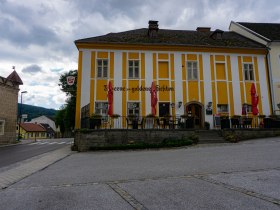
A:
(16, 153)
(239, 176)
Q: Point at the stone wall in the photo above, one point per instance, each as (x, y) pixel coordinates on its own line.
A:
(244, 134)
(87, 139)
(102, 138)
(8, 112)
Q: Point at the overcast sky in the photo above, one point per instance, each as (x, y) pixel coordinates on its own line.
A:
(37, 37)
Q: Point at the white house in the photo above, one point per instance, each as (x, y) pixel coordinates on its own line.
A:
(45, 120)
(267, 34)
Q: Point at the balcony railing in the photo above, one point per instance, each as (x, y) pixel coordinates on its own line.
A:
(172, 122)
(135, 122)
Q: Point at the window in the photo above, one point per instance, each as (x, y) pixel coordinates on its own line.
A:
(192, 70)
(248, 71)
(85, 111)
(2, 127)
(102, 68)
(101, 108)
(133, 108)
(222, 108)
(133, 69)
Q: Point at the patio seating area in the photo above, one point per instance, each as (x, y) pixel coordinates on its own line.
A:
(172, 122)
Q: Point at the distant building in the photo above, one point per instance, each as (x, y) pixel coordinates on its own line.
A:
(32, 131)
(46, 120)
(267, 34)
(9, 88)
(49, 130)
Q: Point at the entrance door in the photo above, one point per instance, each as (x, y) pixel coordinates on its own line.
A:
(164, 109)
(195, 111)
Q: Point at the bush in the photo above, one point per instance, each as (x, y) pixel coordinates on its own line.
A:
(194, 138)
(232, 137)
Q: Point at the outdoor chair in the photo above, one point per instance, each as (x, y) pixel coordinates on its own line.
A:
(235, 122)
(247, 122)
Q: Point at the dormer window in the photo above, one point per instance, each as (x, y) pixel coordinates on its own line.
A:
(217, 34)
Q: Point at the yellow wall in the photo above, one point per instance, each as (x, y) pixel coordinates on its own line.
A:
(193, 91)
(78, 97)
(164, 95)
(163, 69)
(133, 93)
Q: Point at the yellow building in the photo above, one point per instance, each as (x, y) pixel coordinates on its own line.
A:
(32, 131)
(201, 73)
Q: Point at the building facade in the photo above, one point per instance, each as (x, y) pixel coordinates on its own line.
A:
(9, 88)
(32, 131)
(200, 73)
(46, 120)
(267, 34)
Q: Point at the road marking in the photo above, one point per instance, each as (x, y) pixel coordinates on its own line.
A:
(62, 142)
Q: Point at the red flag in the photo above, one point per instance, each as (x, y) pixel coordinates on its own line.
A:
(110, 99)
(154, 98)
(255, 100)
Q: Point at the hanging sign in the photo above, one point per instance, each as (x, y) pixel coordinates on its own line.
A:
(70, 80)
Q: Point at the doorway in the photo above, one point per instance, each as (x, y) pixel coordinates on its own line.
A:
(194, 110)
(164, 109)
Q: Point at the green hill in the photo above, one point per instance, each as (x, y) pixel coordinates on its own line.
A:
(36, 111)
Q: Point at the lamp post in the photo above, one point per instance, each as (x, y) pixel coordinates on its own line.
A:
(20, 110)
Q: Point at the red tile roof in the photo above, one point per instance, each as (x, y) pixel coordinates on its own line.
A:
(14, 77)
(32, 127)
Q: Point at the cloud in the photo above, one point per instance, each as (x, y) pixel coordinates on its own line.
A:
(32, 69)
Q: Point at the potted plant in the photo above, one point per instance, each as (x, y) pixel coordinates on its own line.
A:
(115, 116)
(150, 116)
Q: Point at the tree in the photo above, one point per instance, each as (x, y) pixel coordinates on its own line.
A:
(66, 115)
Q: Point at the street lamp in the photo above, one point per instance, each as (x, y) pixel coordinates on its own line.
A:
(20, 110)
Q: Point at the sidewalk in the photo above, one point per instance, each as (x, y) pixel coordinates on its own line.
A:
(13, 175)
(241, 176)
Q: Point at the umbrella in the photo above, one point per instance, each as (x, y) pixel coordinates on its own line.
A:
(110, 99)
(255, 100)
(154, 98)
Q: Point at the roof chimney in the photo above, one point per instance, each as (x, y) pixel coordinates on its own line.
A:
(203, 29)
(153, 28)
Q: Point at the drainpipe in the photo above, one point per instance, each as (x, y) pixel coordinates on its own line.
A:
(270, 81)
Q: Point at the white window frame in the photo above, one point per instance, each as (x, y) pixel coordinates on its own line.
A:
(191, 70)
(222, 108)
(133, 108)
(248, 72)
(2, 127)
(132, 68)
(101, 108)
(102, 68)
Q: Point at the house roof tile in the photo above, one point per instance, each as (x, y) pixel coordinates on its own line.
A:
(14, 77)
(32, 127)
(174, 37)
(268, 30)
